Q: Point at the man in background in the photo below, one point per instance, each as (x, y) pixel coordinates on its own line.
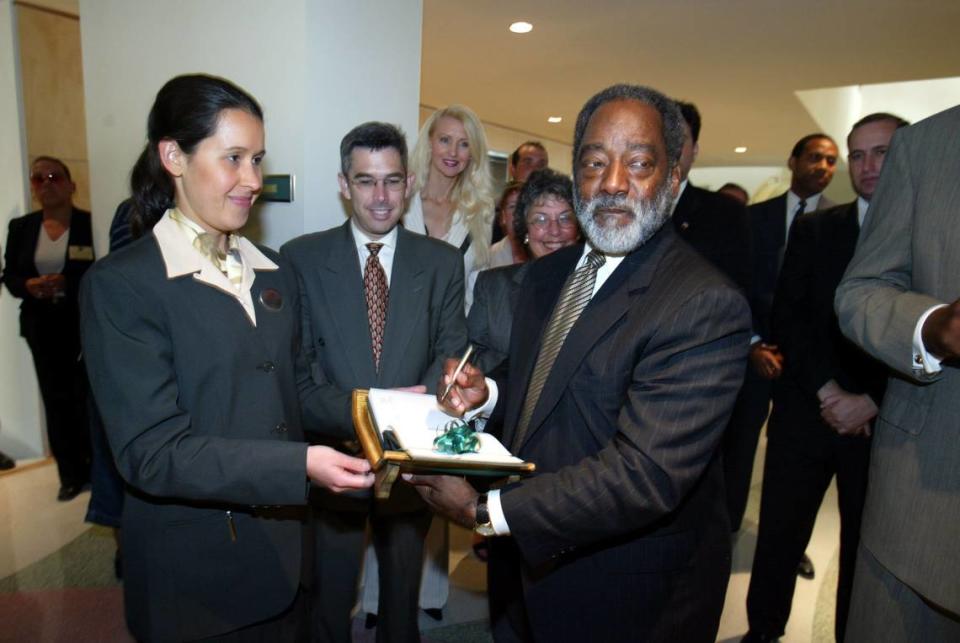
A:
(529, 157)
(382, 307)
(812, 163)
(825, 402)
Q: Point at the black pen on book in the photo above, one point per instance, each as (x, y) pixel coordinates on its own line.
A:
(457, 371)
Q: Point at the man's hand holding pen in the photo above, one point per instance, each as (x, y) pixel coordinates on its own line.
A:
(468, 390)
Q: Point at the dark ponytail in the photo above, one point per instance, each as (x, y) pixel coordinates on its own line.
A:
(186, 110)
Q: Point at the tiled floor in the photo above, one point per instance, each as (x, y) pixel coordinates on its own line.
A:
(33, 525)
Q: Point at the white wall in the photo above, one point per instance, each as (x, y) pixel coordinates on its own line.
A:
(363, 63)
(765, 182)
(505, 140)
(317, 67)
(20, 408)
(313, 66)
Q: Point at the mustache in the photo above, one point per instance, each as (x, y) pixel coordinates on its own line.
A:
(611, 202)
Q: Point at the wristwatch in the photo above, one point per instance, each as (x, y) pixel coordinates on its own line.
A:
(483, 524)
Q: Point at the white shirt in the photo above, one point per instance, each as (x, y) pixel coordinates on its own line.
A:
(501, 253)
(793, 202)
(386, 253)
(50, 256)
(862, 205)
(499, 521)
(181, 258)
(456, 235)
(683, 186)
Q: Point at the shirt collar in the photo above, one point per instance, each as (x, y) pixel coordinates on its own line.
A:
(683, 186)
(361, 238)
(181, 258)
(862, 205)
(793, 201)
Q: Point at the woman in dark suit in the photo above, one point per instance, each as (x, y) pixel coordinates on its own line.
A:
(544, 220)
(191, 335)
(47, 253)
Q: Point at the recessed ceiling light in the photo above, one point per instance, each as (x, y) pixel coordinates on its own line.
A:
(554, 119)
(521, 27)
(740, 150)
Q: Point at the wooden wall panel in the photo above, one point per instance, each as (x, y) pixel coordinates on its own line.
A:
(52, 80)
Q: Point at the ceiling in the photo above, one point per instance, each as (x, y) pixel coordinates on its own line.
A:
(740, 61)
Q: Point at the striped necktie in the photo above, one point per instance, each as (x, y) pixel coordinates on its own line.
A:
(574, 297)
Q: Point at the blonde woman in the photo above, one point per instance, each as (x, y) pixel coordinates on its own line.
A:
(453, 199)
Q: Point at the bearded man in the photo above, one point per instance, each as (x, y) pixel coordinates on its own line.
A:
(625, 360)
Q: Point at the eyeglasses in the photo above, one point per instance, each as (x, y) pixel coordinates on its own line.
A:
(38, 178)
(542, 221)
(368, 183)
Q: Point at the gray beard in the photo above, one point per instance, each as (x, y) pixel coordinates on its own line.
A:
(649, 215)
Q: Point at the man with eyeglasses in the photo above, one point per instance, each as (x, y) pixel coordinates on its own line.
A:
(47, 253)
(381, 307)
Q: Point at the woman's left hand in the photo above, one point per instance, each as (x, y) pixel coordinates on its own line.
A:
(337, 471)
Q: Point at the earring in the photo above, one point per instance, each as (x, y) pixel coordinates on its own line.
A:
(526, 239)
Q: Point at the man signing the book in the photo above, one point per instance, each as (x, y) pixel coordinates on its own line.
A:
(626, 356)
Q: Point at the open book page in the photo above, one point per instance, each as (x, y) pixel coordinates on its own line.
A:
(416, 420)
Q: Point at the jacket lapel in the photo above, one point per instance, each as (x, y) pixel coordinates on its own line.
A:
(346, 304)
(614, 299)
(534, 306)
(408, 294)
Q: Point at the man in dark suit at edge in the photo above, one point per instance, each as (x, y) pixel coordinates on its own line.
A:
(898, 300)
(382, 307)
(625, 359)
(812, 163)
(824, 405)
(716, 226)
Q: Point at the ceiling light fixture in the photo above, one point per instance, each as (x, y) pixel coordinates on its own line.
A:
(521, 27)
(554, 119)
(740, 150)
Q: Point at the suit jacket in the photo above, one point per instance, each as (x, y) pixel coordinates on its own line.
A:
(718, 228)
(628, 496)
(490, 318)
(200, 408)
(805, 326)
(19, 267)
(425, 325)
(906, 262)
(768, 225)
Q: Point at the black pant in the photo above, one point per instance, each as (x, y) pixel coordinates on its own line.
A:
(290, 626)
(55, 346)
(803, 455)
(398, 540)
(508, 613)
(739, 446)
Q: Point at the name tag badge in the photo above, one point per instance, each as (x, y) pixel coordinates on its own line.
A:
(80, 253)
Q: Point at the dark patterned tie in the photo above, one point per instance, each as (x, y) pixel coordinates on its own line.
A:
(377, 293)
(576, 294)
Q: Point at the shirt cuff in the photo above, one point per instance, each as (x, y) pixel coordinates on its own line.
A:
(922, 360)
(493, 393)
(499, 521)
(755, 339)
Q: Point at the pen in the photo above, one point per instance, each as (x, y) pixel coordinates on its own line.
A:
(457, 371)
